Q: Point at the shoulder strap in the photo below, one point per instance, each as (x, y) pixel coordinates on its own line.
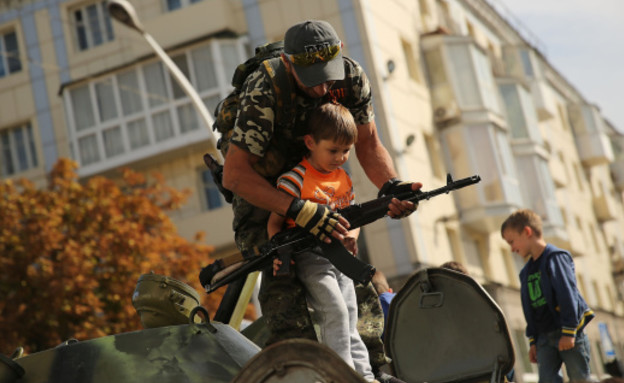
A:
(283, 87)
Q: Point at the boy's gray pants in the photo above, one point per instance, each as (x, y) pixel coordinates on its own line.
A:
(332, 296)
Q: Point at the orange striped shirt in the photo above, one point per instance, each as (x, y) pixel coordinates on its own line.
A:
(307, 183)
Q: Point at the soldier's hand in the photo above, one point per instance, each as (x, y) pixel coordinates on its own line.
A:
(318, 219)
(398, 208)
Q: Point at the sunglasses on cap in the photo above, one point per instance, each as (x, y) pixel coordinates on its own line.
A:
(310, 58)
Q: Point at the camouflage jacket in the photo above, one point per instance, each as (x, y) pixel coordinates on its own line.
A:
(274, 132)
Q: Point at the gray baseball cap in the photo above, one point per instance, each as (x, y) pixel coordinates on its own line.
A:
(314, 49)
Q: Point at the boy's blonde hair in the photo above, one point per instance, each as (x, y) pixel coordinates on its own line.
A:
(522, 218)
(332, 121)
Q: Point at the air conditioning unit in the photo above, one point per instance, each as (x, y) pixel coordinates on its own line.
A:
(447, 113)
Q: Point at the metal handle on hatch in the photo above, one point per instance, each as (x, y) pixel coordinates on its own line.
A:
(431, 300)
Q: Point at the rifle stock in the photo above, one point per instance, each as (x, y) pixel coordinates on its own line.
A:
(295, 241)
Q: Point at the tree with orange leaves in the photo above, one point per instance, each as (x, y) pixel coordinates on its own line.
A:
(72, 253)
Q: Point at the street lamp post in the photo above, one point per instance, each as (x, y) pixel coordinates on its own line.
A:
(123, 11)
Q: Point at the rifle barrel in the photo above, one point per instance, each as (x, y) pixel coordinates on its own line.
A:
(450, 186)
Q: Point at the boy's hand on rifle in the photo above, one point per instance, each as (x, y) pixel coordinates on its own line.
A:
(398, 208)
(277, 263)
(318, 219)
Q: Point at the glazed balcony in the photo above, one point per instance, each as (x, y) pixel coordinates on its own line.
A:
(617, 173)
(522, 63)
(483, 149)
(462, 85)
(592, 141)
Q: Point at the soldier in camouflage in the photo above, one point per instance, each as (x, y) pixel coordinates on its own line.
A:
(267, 140)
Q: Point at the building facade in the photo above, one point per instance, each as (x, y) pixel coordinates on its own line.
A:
(457, 89)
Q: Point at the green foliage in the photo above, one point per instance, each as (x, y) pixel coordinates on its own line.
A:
(71, 255)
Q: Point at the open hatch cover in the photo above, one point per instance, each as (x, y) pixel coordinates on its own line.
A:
(444, 327)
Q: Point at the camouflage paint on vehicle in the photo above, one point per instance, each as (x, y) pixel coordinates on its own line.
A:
(189, 353)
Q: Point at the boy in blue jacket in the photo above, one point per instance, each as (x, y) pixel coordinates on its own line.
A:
(554, 309)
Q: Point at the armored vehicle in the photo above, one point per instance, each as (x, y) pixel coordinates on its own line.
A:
(442, 327)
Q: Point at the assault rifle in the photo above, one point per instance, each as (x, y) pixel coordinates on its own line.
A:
(297, 240)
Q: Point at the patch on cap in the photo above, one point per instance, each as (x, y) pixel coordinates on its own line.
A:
(314, 49)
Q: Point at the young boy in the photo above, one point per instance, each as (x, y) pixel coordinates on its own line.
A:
(320, 178)
(554, 309)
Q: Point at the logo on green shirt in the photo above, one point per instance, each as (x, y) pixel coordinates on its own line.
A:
(535, 291)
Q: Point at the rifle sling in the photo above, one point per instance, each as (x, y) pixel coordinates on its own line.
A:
(344, 261)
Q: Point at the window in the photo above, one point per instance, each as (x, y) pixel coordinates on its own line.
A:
(598, 294)
(134, 113)
(527, 66)
(411, 60)
(520, 112)
(455, 245)
(472, 252)
(17, 150)
(471, 30)
(472, 77)
(594, 237)
(563, 116)
(564, 164)
(92, 25)
(9, 54)
(611, 299)
(511, 266)
(579, 176)
(172, 5)
(211, 196)
(435, 156)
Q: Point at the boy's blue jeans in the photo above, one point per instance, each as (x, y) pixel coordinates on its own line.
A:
(549, 358)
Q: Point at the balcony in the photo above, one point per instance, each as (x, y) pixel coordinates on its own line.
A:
(538, 188)
(603, 201)
(543, 100)
(558, 172)
(462, 85)
(617, 173)
(604, 207)
(594, 149)
(140, 112)
(482, 149)
(522, 64)
(556, 234)
(578, 247)
(590, 135)
(520, 111)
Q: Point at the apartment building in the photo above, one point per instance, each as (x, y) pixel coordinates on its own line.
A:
(457, 89)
